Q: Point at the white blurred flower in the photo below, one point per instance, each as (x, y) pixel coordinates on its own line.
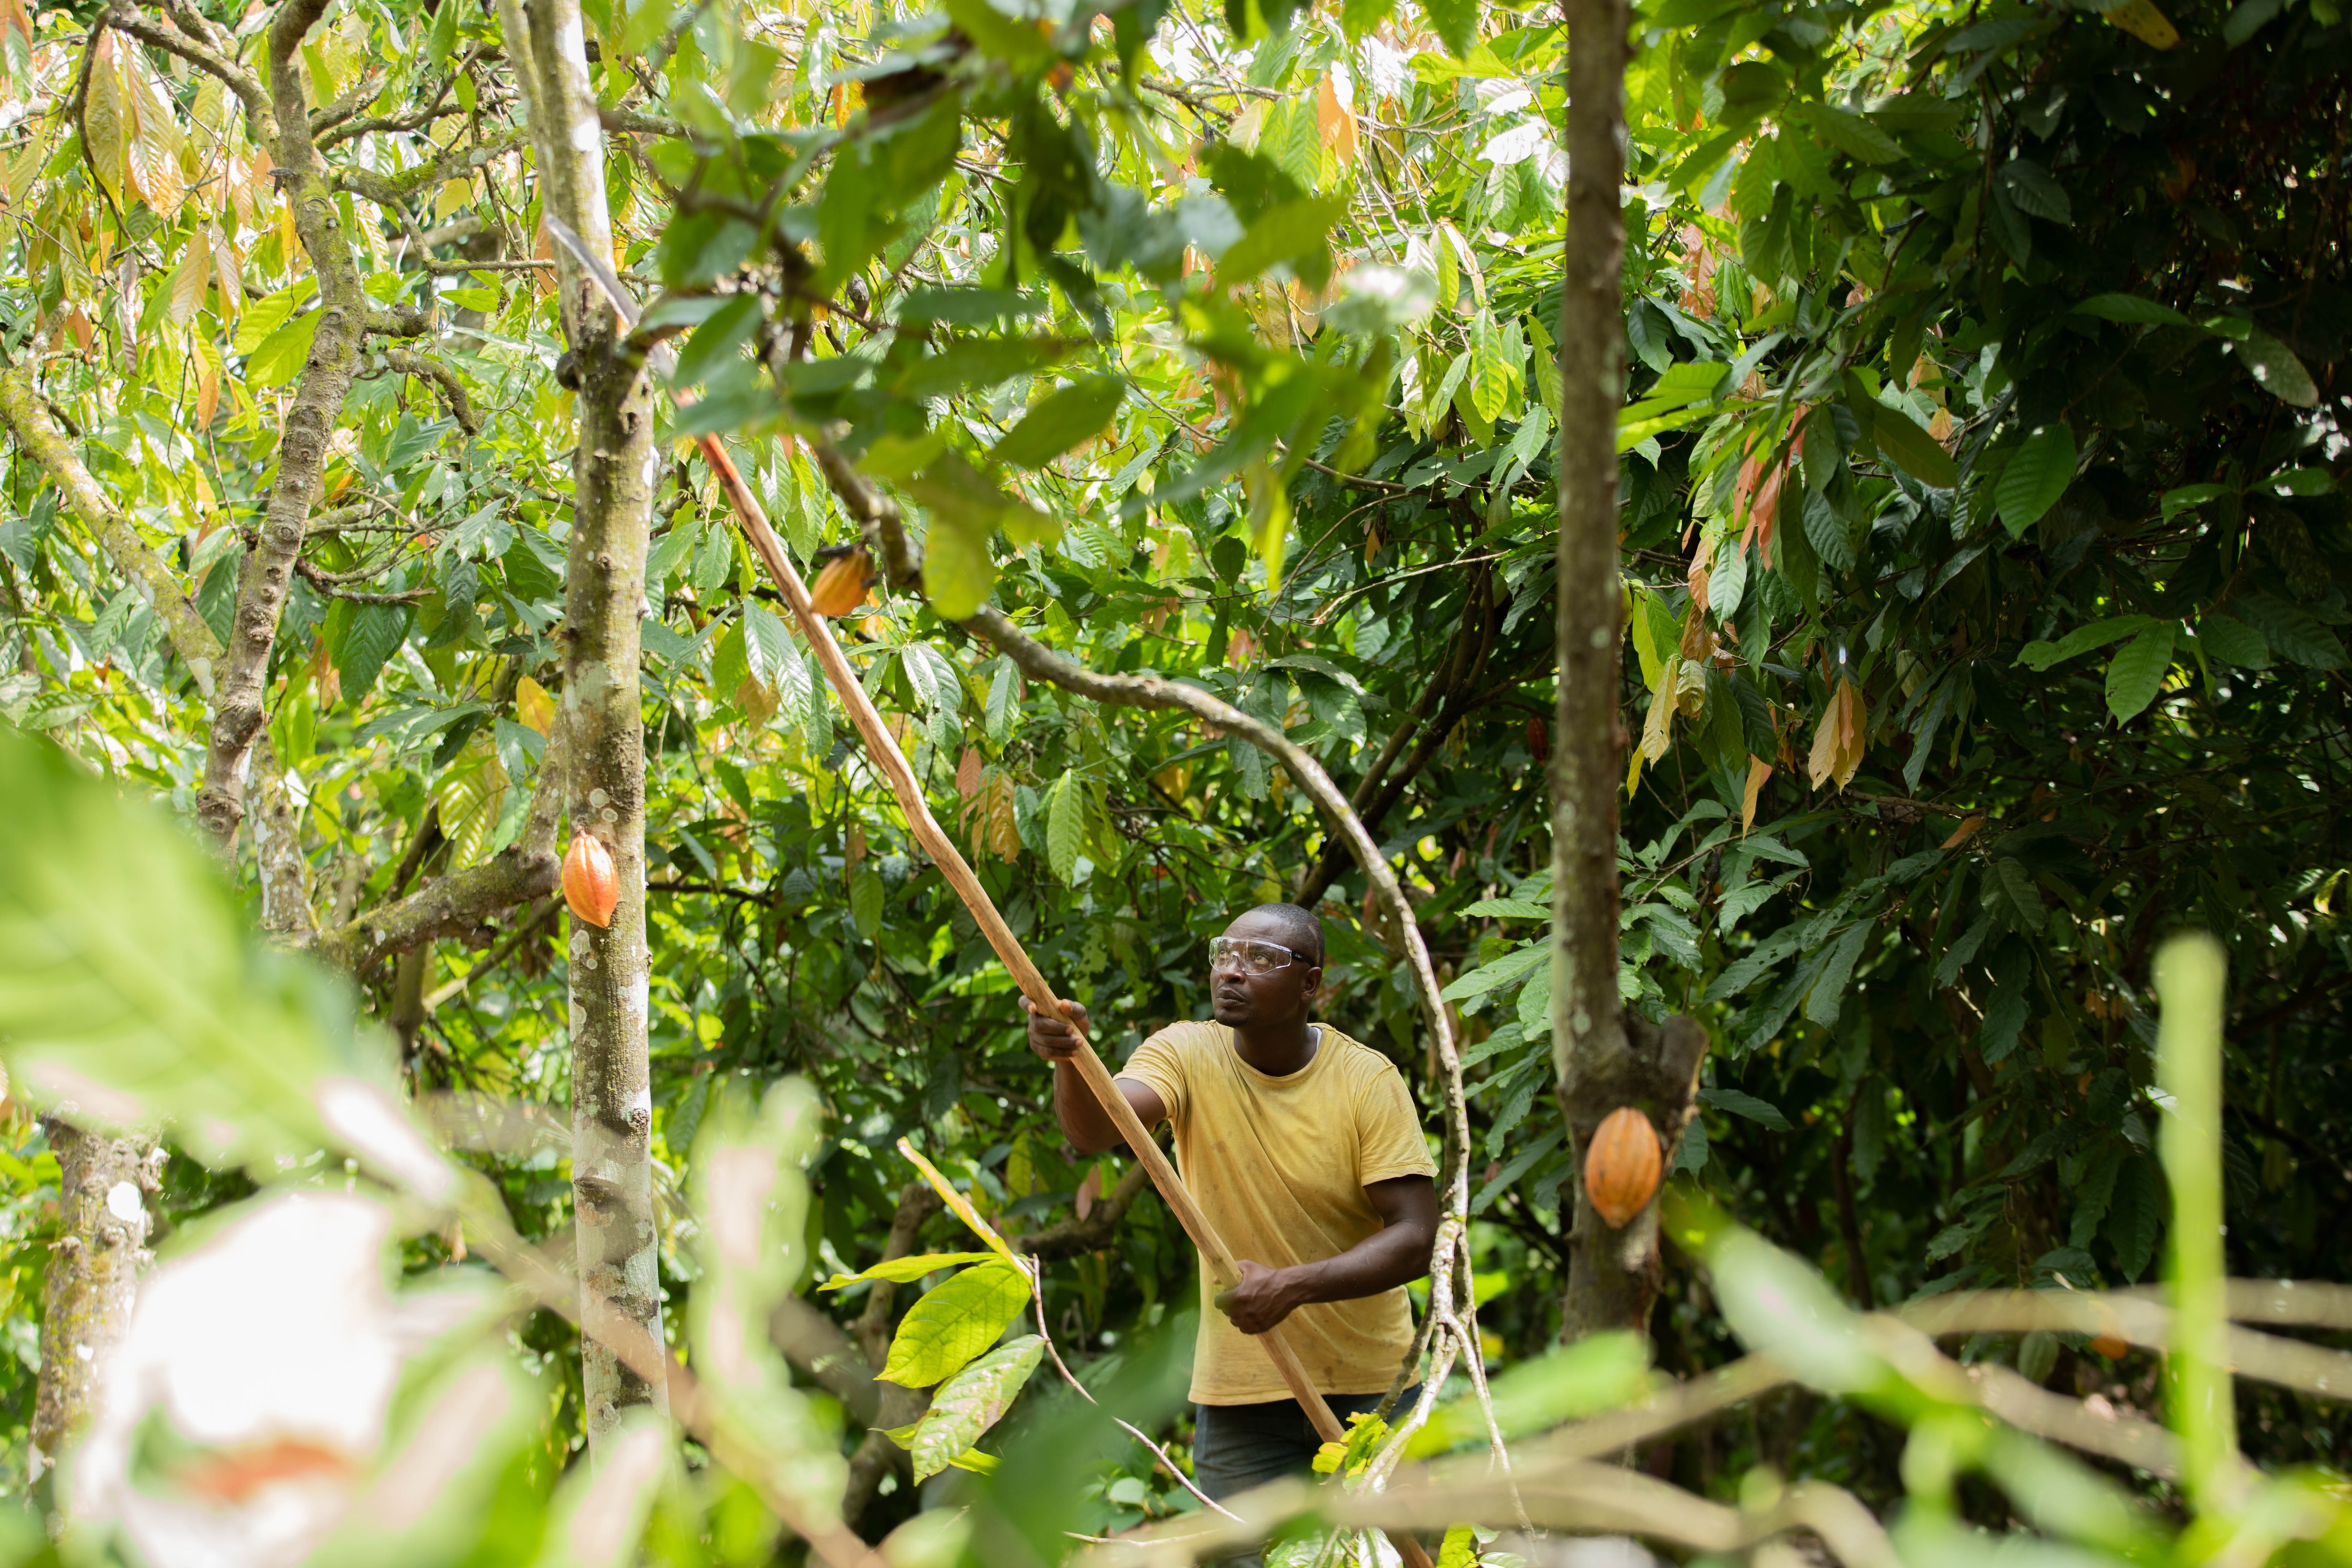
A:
(271, 1355)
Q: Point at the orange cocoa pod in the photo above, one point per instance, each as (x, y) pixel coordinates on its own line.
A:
(2112, 1346)
(841, 586)
(1623, 1167)
(1538, 740)
(590, 886)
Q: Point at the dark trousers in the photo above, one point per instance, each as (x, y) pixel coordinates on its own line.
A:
(1237, 1447)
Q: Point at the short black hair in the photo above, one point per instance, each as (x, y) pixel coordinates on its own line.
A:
(1301, 929)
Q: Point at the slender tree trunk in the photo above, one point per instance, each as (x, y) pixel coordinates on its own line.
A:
(612, 470)
(1604, 1059)
(93, 1275)
(267, 571)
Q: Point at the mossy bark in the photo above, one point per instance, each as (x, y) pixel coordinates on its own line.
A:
(93, 1275)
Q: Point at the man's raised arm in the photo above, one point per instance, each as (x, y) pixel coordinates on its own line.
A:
(1085, 1122)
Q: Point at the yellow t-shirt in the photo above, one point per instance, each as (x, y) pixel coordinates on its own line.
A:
(1279, 1165)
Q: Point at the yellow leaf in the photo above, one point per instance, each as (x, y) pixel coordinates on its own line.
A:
(534, 707)
(2143, 21)
(208, 380)
(1758, 769)
(1657, 731)
(1690, 688)
(155, 143)
(189, 280)
(1838, 740)
(454, 193)
(103, 112)
(230, 272)
(1335, 120)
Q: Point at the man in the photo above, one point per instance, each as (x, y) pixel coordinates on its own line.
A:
(1303, 1148)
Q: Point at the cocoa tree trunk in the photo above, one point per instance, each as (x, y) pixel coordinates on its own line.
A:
(612, 1104)
(93, 1275)
(1604, 1058)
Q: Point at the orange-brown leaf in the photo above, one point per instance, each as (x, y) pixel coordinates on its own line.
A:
(1759, 771)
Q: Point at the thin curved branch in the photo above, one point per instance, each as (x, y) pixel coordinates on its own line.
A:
(425, 367)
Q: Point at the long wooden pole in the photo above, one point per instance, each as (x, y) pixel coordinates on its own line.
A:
(885, 751)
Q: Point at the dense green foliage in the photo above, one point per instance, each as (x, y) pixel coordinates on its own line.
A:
(1981, 483)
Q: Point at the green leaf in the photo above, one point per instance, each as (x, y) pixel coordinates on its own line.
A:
(2182, 498)
(2295, 633)
(1743, 1104)
(441, 42)
(1294, 231)
(1601, 1372)
(2274, 365)
(1826, 997)
(1490, 371)
(865, 902)
(279, 356)
(372, 635)
(1509, 909)
(718, 340)
(2037, 475)
(1060, 421)
(2029, 184)
(2233, 641)
(1685, 382)
(959, 573)
(766, 647)
(976, 364)
(130, 984)
(1919, 454)
(2082, 639)
(995, 33)
(2132, 310)
(1502, 971)
(1852, 134)
(1066, 825)
(2135, 1215)
(954, 1323)
(969, 1403)
(2012, 883)
(265, 316)
(904, 1270)
(2137, 673)
(1460, 1547)
(470, 792)
(1456, 23)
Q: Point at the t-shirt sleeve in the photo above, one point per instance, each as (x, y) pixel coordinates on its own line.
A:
(1158, 1064)
(1390, 1142)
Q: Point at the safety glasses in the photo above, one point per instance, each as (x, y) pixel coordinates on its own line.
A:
(1251, 957)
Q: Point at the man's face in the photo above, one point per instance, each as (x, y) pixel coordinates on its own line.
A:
(1243, 999)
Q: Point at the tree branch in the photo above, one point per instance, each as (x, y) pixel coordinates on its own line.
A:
(1074, 1238)
(425, 367)
(454, 905)
(205, 58)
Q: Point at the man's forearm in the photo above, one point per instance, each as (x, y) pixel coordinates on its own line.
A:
(1085, 1122)
(1393, 1256)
